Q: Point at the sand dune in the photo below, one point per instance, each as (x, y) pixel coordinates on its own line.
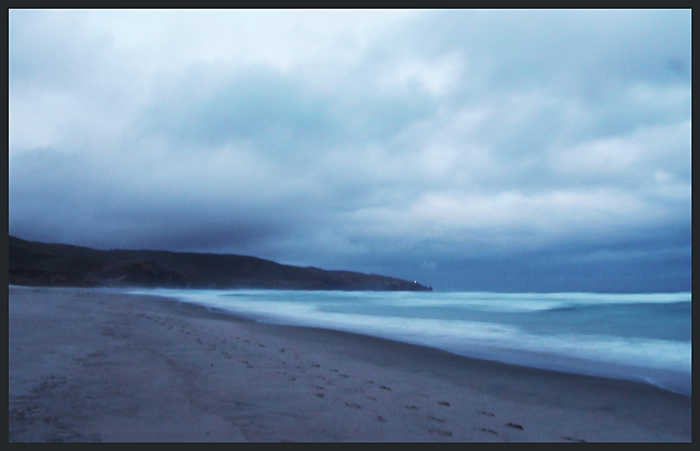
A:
(88, 365)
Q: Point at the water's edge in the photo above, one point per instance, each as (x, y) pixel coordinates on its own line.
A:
(675, 382)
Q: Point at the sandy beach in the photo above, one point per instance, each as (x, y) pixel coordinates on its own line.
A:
(87, 365)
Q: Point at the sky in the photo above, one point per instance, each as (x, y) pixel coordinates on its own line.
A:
(481, 150)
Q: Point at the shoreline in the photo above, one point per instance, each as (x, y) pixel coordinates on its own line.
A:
(94, 366)
(370, 339)
(665, 379)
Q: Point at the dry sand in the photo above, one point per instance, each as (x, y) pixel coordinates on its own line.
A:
(86, 365)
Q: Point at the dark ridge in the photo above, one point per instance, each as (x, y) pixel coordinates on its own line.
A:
(49, 264)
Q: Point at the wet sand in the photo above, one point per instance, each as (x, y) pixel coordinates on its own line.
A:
(86, 365)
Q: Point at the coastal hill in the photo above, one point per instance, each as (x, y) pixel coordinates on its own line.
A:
(47, 264)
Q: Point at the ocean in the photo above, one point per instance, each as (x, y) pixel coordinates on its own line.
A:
(643, 337)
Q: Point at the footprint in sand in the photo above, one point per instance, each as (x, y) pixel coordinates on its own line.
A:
(514, 426)
(571, 439)
(440, 432)
(439, 420)
(319, 395)
(381, 419)
(411, 407)
(488, 414)
(490, 431)
(353, 405)
(444, 403)
(384, 387)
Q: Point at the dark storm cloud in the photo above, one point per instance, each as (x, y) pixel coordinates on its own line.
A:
(210, 110)
(62, 189)
(211, 106)
(458, 148)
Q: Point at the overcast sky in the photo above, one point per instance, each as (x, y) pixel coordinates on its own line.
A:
(472, 150)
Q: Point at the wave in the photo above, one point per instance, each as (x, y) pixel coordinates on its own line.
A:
(621, 336)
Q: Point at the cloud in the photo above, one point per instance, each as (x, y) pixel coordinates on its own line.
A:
(413, 143)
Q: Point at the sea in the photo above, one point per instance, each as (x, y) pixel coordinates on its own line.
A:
(643, 337)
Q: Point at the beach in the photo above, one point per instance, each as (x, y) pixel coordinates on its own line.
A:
(98, 365)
